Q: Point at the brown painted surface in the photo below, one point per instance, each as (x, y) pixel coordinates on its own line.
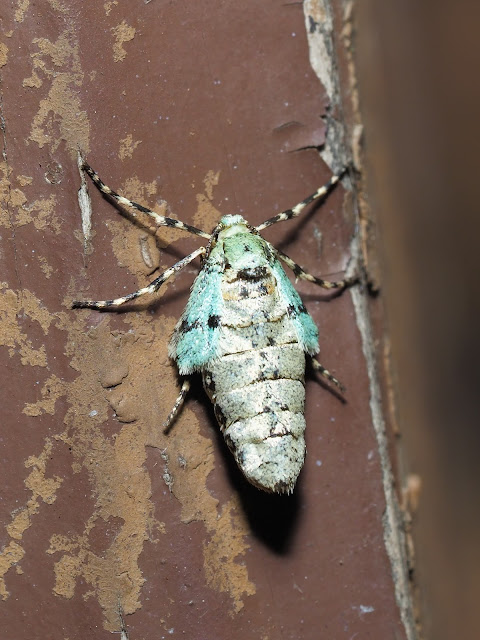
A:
(195, 109)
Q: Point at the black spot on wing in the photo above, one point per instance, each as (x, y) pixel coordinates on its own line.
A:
(252, 273)
(186, 326)
(213, 321)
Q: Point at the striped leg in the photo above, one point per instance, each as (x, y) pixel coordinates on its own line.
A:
(297, 210)
(161, 221)
(151, 288)
(303, 275)
(326, 374)
(177, 406)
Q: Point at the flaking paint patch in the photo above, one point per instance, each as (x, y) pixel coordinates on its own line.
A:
(227, 542)
(52, 390)
(17, 211)
(123, 33)
(108, 6)
(41, 212)
(207, 216)
(127, 147)
(3, 54)
(60, 116)
(22, 8)
(13, 307)
(115, 468)
(45, 267)
(42, 489)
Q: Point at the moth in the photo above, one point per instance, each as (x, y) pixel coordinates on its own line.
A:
(247, 332)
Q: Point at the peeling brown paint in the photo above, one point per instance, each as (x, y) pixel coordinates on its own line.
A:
(41, 211)
(22, 8)
(51, 391)
(59, 63)
(3, 54)
(42, 489)
(12, 307)
(123, 33)
(227, 542)
(108, 6)
(45, 267)
(207, 216)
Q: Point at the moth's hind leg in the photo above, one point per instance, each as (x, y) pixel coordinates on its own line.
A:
(304, 275)
(151, 288)
(160, 221)
(177, 406)
(326, 374)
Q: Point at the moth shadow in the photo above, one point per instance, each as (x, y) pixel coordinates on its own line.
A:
(273, 518)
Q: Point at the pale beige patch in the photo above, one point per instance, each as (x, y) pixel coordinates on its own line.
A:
(108, 6)
(16, 211)
(58, 6)
(3, 54)
(23, 181)
(22, 8)
(53, 389)
(5, 195)
(14, 306)
(45, 267)
(123, 33)
(41, 212)
(127, 147)
(42, 489)
(227, 542)
(60, 116)
(11, 554)
(207, 216)
(115, 466)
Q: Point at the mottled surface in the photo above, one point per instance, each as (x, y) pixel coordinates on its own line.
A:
(197, 110)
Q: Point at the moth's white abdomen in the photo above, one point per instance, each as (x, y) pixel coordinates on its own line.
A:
(259, 399)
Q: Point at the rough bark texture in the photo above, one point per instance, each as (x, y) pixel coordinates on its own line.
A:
(195, 109)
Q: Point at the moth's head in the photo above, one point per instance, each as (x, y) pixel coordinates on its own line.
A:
(228, 227)
(231, 225)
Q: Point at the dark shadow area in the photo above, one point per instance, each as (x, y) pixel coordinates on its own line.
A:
(273, 518)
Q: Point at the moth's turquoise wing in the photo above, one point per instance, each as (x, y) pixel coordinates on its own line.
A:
(195, 339)
(306, 329)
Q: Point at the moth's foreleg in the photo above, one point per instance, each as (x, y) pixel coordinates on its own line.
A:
(151, 288)
(326, 374)
(160, 221)
(297, 209)
(303, 275)
(177, 406)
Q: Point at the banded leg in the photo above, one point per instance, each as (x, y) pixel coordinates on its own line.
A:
(326, 374)
(303, 275)
(297, 209)
(177, 406)
(161, 221)
(151, 288)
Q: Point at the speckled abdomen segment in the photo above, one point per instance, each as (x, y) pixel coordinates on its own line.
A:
(259, 399)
